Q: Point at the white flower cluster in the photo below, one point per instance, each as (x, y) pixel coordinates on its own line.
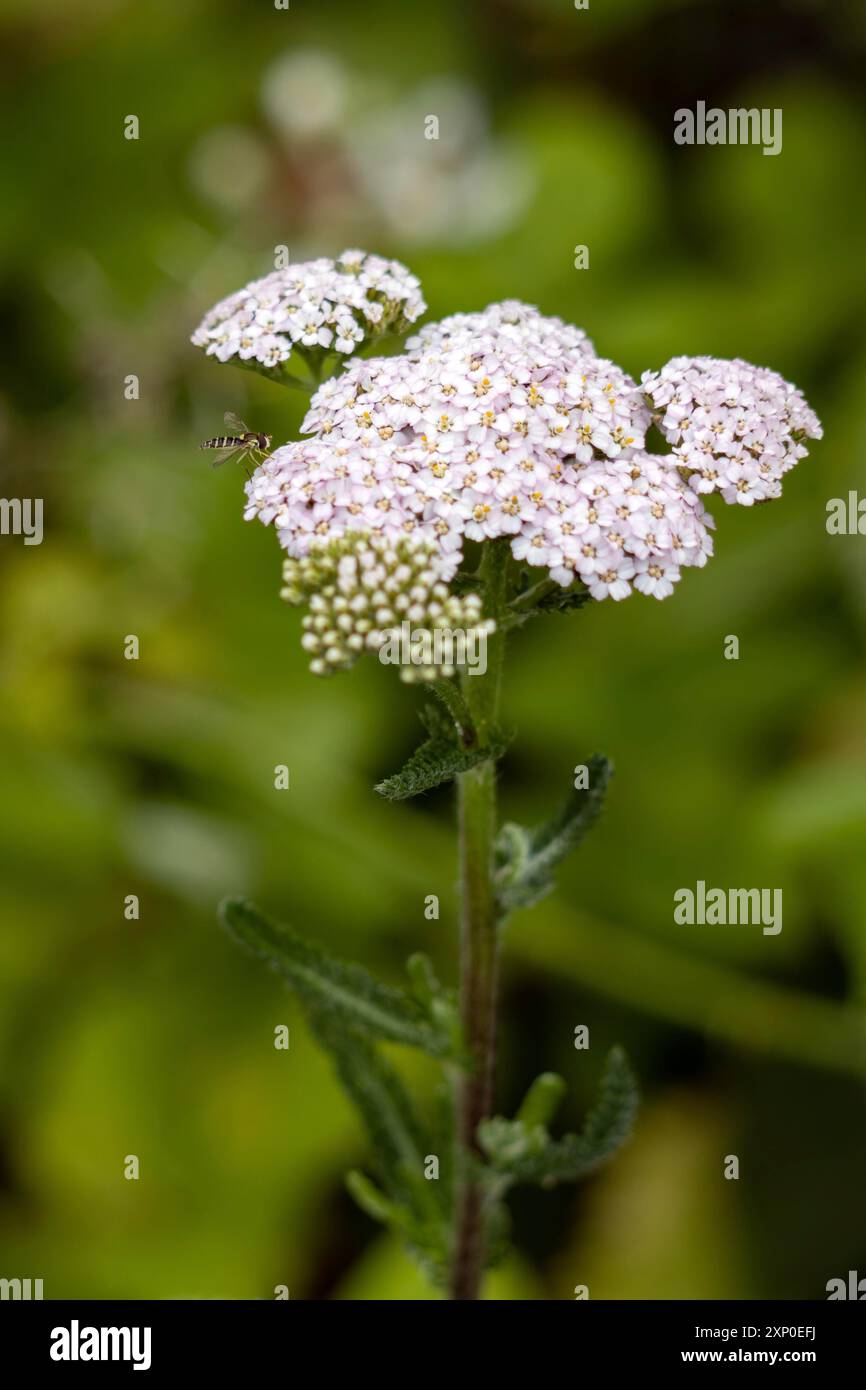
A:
(332, 306)
(735, 429)
(629, 524)
(496, 424)
(365, 591)
(314, 491)
(486, 423)
(506, 423)
(510, 323)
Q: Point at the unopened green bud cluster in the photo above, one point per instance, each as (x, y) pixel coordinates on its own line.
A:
(366, 593)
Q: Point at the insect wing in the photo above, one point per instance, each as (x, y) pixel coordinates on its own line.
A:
(235, 423)
(226, 454)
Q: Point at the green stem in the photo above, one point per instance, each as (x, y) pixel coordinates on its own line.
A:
(476, 799)
(476, 805)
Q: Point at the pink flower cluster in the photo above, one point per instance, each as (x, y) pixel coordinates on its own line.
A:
(735, 429)
(499, 324)
(324, 305)
(502, 423)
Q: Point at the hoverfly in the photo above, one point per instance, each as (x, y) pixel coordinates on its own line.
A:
(241, 444)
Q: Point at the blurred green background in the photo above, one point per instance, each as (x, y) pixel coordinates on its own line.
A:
(305, 127)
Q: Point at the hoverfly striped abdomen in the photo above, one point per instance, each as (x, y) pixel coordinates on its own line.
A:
(225, 441)
(242, 445)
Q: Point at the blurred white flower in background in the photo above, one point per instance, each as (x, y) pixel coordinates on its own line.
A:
(305, 94)
(347, 154)
(230, 166)
(463, 186)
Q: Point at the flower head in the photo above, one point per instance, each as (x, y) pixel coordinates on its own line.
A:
(314, 491)
(510, 324)
(619, 526)
(735, 429)
(483, 409)
(514, 429)
(366, 593)
(330, 305)
(504, 423)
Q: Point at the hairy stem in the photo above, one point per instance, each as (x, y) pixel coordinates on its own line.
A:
(478, 972)
(476, 808)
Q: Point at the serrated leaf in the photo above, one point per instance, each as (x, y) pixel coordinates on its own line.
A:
(497, 1232)
(544, 596)
(564, 600)
(439, 759)
(512, 1144)
(520, 1154)
(331, 985)
(440, 1005)
(611, 1119)
(398, 1137)
(423, 982)
(526, 859)
(347, 1008)
(452, 697)
(414, 1206)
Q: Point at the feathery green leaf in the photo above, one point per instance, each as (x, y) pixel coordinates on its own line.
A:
(439, 759)
(347, 990)
(452, 697)
(398, 1138)
(519, 1152)
(347, 1008)
(526, 858)
(564, 601)
(414, 1206)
